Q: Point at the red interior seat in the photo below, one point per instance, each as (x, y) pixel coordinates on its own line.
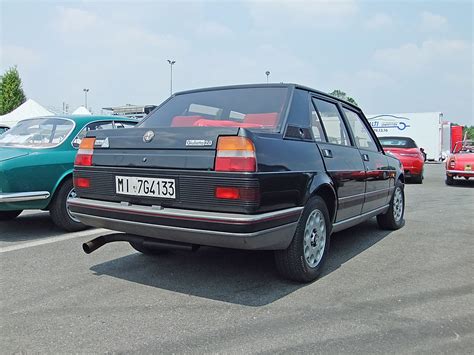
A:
(185, 121)
(264, 119)
(216, 123)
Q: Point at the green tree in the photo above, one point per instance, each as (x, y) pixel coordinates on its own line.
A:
(469, 131)
(342, 95)
(11, 92)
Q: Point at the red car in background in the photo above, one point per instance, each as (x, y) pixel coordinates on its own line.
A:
(461, 162)
(406, 150)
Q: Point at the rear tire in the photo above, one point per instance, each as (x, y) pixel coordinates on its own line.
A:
(9, 215)
(148, 249)
(393, 218)
(59, 211)
(449, 180)
(418, 179)
(304, 258)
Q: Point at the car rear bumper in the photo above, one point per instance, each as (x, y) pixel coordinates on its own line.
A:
(266, 231)
(9, 197)
(460, 173)
(412, 170)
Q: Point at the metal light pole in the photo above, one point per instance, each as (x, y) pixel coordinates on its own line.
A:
(171, 63)
(85, 97)
(267, 73)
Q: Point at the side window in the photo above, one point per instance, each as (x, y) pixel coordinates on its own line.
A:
(316, 126)
(119, 124)
(332, 121)
(90, 127)
(362, 136)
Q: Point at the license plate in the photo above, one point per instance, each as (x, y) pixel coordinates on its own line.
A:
(145, 186)
(467, 168)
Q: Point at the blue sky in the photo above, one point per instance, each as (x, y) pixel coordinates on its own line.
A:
(391, 56)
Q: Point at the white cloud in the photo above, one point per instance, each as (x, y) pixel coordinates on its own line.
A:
(316, 13)
(213, 29)
(21, 56)
(73, 20)
(432, 22)
(378, 21)
(410, 56)
(85, 30)
(435, 75)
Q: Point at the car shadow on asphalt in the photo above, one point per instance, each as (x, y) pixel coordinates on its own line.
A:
(30, 226)
(462, 183)
(233, 276)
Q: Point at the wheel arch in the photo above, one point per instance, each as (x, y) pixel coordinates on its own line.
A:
(401, 177)
(323, 186)
(66, 175)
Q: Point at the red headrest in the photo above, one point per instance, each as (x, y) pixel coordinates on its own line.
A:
(263, 119)
(216, 123)
(184, 121)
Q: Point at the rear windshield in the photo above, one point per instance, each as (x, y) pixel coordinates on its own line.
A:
(253, 108)
(397, 142)
(37, 133)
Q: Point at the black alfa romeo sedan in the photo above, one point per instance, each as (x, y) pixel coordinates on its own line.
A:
(269, 167)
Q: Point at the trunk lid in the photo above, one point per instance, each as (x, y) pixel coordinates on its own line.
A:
(168, 148)
(7, 153)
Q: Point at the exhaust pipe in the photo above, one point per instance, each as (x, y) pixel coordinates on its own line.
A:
(98, 242)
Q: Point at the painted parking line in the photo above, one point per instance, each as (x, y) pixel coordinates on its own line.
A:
(49, 240)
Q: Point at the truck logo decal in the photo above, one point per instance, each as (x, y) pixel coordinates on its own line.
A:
(148, 136)
(383, 123)
(198, 143)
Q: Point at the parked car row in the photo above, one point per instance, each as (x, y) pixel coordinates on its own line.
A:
(272, 167)
(459, 164)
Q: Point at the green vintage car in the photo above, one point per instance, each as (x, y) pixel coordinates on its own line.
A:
(36, 163)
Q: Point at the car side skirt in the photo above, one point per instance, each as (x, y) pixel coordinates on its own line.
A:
(350, 222)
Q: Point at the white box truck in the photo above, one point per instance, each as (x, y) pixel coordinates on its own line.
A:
(425, 128)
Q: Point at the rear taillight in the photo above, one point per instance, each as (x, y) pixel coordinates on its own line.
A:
(82, 183)
(235, 154)
(452, 163)
(84, 154)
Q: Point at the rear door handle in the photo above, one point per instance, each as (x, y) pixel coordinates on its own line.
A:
(327, 153)
(365, 157)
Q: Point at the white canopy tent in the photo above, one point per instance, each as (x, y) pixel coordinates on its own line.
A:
(30, 108)
(81, 110)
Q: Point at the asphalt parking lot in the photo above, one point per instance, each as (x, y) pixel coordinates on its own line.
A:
(411, 290)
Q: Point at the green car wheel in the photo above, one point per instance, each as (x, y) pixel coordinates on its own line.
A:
(59, 210)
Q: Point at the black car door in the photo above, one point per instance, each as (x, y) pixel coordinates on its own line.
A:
(375, 162)
(342, 159)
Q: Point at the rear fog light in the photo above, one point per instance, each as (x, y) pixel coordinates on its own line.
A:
(229, 193)
(82, 183)
(236, 193)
